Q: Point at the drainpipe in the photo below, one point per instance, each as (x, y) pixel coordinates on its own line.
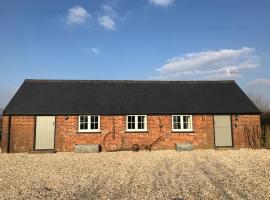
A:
(8, 134)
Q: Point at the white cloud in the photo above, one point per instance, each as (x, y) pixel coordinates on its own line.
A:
(109, 17)
(107, 22)
(222, 64)
(110, 11)
(77, 15)
(163, 3)
(95, 50)
(90, 50)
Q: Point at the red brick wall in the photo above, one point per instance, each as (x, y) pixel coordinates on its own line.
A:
(22, 132)
(4, 134)
(249, 121)
(66, 130)
(67, 134)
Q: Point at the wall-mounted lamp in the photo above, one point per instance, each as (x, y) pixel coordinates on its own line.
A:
(66, 117)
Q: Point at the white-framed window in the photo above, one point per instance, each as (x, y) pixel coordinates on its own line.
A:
(136, 122)
(182, 122)
(89, 123)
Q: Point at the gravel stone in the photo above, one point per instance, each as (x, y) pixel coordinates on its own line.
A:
(166, 174)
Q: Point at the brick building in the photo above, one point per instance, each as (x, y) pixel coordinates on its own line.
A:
(57, 115)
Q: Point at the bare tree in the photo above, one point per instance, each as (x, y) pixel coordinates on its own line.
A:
(260, 102)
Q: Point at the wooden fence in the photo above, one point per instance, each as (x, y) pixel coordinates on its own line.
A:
(266, 135)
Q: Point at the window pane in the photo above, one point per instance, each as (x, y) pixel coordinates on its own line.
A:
(131, 122)
(83, 126)
(177, 125)
(141, 119)
(96, 125)
(83, 119)
(177, 122)
(131, 125)
(187, 122)
(176, 119)
(141, 122)
(141, 125)
(83, 122)
(94, 118)
(92, 126)
(131, 119)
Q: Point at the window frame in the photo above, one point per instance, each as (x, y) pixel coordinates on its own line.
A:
(182, 124)
(89, 124)
(136, 124)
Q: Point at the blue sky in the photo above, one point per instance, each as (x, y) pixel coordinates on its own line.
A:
(135, 39)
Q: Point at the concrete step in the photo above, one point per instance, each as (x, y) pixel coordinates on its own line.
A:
(42, 151)
(224, 148)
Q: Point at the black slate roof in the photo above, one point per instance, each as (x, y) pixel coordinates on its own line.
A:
(51, 97)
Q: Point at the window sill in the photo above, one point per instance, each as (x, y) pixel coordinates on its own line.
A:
(136, 131)
(183, 131)
(89, 132)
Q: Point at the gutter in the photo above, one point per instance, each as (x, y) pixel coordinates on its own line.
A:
(133, 113)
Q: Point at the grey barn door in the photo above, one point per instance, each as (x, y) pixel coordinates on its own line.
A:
(223, 131)
(45, 127)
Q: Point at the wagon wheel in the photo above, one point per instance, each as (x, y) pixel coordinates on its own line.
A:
(113, 142)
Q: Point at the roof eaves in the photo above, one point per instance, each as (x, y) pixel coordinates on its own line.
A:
(124, 81)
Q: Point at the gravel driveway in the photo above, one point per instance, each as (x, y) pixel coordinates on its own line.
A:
(200, 174)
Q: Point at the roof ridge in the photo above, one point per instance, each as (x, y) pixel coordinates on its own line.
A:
(126, 81)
